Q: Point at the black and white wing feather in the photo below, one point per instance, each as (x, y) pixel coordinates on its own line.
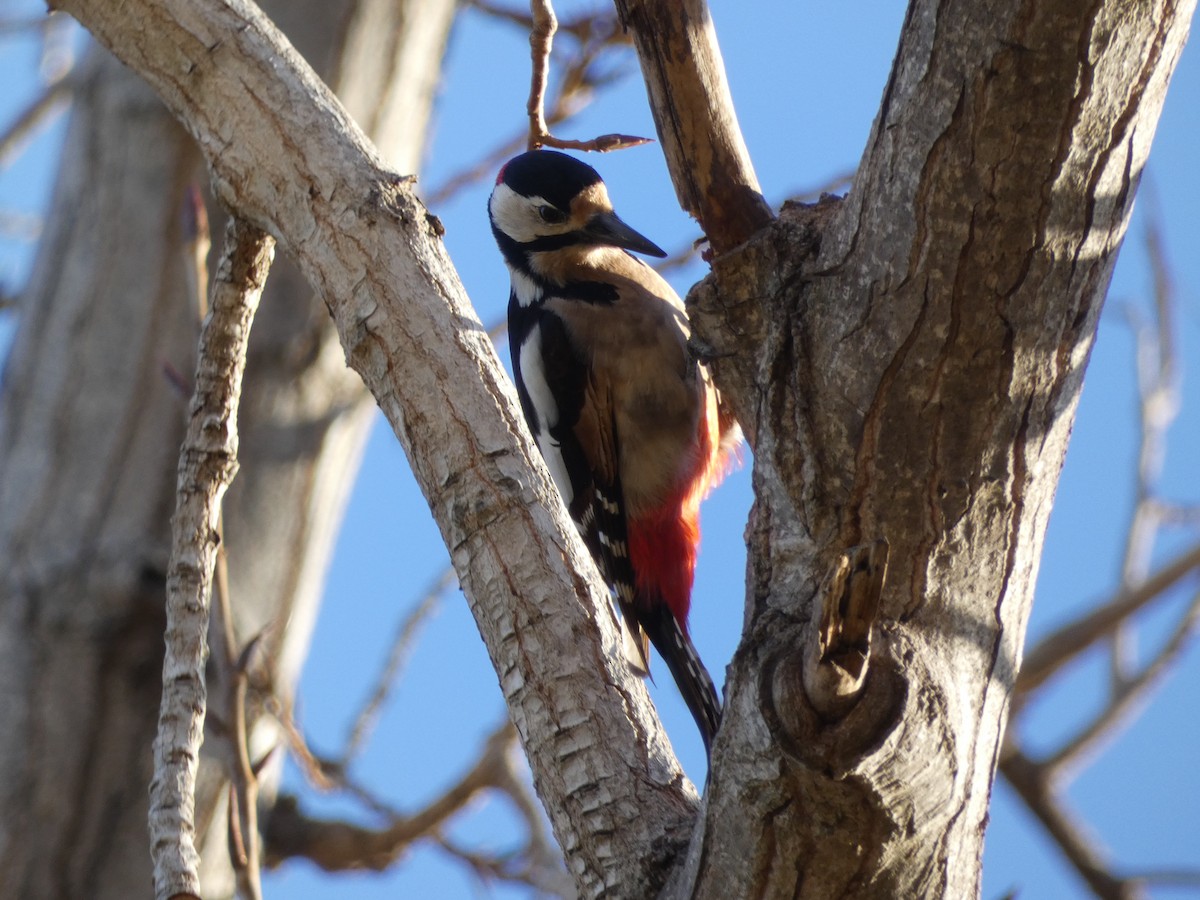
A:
(571, 418)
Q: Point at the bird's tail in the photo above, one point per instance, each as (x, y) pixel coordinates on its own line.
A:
(693, 680)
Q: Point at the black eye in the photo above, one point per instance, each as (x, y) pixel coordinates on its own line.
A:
(551, 216)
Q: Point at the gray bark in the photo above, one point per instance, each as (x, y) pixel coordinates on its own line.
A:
(89, 428)
(907, 364)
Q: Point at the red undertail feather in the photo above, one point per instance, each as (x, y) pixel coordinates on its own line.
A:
(663, 544)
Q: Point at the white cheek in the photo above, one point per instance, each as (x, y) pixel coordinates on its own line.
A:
(515, 215)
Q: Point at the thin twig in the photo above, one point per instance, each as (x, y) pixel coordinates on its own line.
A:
(314, 770)
(1066, 644)
(1034, 788)
(41, 109)
(1134, 691)
(596, 34)
(207, 464)
(243, 777)
(337, 845)
(365, 721)
(541, 39)
(1158, 405)
(581, 28)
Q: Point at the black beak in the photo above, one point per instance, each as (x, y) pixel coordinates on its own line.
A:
(607, 228)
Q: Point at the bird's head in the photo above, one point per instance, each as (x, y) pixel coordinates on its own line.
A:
(545, 202)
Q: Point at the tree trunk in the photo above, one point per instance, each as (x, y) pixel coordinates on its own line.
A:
(90, 423)
(908, 362)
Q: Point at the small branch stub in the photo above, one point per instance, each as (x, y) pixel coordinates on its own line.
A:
(837, 646)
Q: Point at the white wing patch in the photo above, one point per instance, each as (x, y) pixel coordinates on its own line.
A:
(533, 374)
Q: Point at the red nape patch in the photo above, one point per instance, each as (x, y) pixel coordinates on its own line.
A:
(500, 174)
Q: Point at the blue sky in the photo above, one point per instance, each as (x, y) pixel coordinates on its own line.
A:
(806, 78)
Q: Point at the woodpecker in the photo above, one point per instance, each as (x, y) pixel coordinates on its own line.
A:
(625, 416)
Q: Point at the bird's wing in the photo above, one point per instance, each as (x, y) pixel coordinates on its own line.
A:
(569, 409)
(603, 520)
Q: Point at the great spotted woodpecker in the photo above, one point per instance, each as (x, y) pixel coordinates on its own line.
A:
(624, 415)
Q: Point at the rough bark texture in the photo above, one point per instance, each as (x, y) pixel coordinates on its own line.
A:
(89, 425)
(207, 465)
(285, 156)
(85, 427)
(908, 362)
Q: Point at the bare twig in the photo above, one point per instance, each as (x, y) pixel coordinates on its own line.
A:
(401, 647)
(1035, 789)
(1158, 404)
(1133, 691)
(1066, 644)
(582, 28)
(207, 464)
(243, 777)
(243, 791)
(541, 38)
(233, 663)
(337, 845)
(315, 771)
(596, 34)
(47, 104)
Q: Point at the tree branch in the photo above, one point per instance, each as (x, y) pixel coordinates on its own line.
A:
(285, 155)
(46, 104)
(694, 116)
(1031, 783)
(541, 38)
(1064, 645)
(338, 845)
(1132, 690)
(364, 722)
(207, 464)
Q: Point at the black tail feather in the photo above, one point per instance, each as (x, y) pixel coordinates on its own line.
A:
(693, 680)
